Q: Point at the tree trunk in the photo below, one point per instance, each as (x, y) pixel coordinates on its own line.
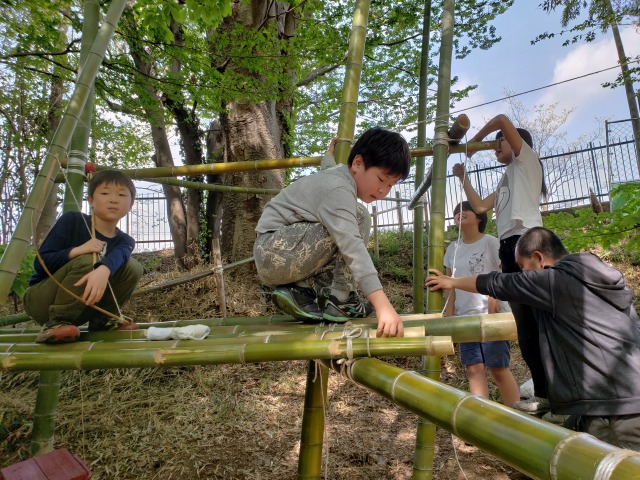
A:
(628, 87)
(163, 156)
(213, 209)
(253, 132)
(189, 131)
(50, 210)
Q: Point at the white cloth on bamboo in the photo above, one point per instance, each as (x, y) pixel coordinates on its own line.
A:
(190, 332)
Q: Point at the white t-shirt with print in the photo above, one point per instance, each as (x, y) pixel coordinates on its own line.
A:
(472, 259)
(517, 204)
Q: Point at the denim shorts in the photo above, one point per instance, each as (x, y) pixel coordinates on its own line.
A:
(493, 354)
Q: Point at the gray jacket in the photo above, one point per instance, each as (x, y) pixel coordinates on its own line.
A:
(327, 197)
(589, 332)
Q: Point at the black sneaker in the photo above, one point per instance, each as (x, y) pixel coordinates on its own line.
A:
(341, 311)
(299, 302)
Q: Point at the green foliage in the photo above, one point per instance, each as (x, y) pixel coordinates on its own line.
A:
(585, 229)
(21, 282)
(396, 255)
(389, 83)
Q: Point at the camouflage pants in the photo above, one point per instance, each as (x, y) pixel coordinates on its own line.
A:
(305, 251)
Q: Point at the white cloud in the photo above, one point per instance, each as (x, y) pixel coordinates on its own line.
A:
(587, 94)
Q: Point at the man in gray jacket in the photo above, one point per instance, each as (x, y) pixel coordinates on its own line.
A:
(589, 332)
(312, 236)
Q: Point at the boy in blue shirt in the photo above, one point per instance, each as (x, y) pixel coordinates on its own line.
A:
(99, 270)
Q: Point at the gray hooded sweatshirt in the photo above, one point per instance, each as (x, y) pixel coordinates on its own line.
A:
(589, 332)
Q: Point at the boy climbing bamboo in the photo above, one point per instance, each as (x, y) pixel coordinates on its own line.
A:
(312, 236)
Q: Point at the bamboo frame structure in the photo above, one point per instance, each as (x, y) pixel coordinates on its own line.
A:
(537, 448)
(534, 447)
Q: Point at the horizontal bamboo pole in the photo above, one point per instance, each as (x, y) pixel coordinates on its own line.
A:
(441, 343)
(472, 328)
(13, 319)
(156, 173)
(57, 359)
(537, 448)
(213, 187)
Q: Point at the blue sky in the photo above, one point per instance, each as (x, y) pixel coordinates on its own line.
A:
(516, 64)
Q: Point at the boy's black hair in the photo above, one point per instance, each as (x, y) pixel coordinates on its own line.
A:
(385, 149)
(526, 136)
(481, 216)
(111, 176)
(542, 240)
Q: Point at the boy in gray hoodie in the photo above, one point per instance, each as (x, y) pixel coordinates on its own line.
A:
(588, 329)
(312, 236)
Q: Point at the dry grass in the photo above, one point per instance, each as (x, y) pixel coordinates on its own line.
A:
(232, 421)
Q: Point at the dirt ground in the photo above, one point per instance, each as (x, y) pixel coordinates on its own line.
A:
(231, 422)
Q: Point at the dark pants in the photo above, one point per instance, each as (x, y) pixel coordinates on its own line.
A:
(46, 302)
(528, 337)
(620, 430)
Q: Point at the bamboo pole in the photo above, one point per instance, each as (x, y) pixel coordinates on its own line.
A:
(424, 451)
(214, 187)
(44, 418)
(440, 345)
(86, 359)
(472, 328)
(536, 448)
(77, 139)
(13, 319)
(350, 91)
(158, 173)
(426, 431)
(79, 144)
(418, 216)
(21, 239)
(310, 458)
(312, 432)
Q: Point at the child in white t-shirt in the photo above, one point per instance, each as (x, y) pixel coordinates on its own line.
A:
(475, 253)
(516, 203)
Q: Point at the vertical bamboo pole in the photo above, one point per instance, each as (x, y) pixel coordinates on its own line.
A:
(310, 460)
(424, 453)
(44, 415)
(43, 435)
(79, 146)
(349, 108)
(315, 397)
(418, 225)
(21, 240)
(425, 436)
(440, 152)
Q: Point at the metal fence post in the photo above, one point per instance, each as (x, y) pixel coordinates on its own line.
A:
(400, 219)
